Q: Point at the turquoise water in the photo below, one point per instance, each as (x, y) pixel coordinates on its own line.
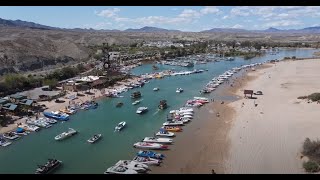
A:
(78, 156)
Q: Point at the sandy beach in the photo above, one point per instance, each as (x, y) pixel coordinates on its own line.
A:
(268, 138)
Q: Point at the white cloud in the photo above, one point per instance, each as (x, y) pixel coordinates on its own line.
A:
(240, 11)
(282, 23)
(108, 12)
(189, 13)
(237, 26)
(210, 10)
(225, 17)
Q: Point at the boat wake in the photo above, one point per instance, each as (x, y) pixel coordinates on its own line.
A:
(156, 112)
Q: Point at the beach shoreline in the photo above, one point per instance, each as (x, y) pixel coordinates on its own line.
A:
(268, 132)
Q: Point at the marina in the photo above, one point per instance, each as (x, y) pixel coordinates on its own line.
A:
(104, 117)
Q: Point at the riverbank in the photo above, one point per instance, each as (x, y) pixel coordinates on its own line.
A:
(268, 138)
(204, 144)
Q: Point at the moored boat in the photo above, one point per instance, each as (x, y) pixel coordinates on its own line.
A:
(145, 145)
(49, 167)
(163, 104)
(134, 165)
(172, 128)
(136, 94)
(136, 102)
(179, 90)
(57, 116)
(165, 133)
(10, 136)
(4, 142)
(150, 154)
(94, 138)
(120, 170)
(147, 160)
(158, 140)
(66, 134)
(141, 110)
(120, 126)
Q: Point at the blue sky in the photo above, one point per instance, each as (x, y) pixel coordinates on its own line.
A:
(186, 18)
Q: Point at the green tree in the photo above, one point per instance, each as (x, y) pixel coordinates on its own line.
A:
(50, 82)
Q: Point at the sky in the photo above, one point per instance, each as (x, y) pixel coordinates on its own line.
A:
(185, 18)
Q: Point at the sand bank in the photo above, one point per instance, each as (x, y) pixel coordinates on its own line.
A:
(268, 138)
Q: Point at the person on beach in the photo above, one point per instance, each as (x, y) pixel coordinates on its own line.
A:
(212, 171)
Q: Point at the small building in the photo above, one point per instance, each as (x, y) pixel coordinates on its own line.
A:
(75, 86)
(3, 101)
(250, 92)
(10, 108)
(17, 97)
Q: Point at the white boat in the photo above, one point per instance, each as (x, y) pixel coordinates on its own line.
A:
(158, 140)
(187, 116)
(179, 90)
(173, 123)
(137, 166)
(145, 145)
(30, 127)
(94, 138)
(120, 126)
(10, 135)
(190, 113)
(147, 160)
(141, 110)
(156, 89)
(64, 135)
(201, 98)
(165, 134)
(136, 102)
(120, 170)
(186, 109)
(4, 142)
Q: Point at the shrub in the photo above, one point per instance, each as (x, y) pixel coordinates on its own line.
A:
(302, 97)
(311, 166)
(311, 148)
(314, 97)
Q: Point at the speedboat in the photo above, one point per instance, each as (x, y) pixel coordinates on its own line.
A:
(141, 110)
(136, 102)
(186, 109)
(29, 127)
(145, 145)
(94, 138)
(179, 90)
(120, 126)
(137, 166)
(147, 160)
(120, 170)
(156, 89)
(20, 131)
(150, 154)
(172, 128)
(157, 140)
(4, 142)
(173, 123)
(165, 133)
(64, 135)
(10, 136)
(56, 115)
(50, 166)
(187, 116)
(50, 120)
